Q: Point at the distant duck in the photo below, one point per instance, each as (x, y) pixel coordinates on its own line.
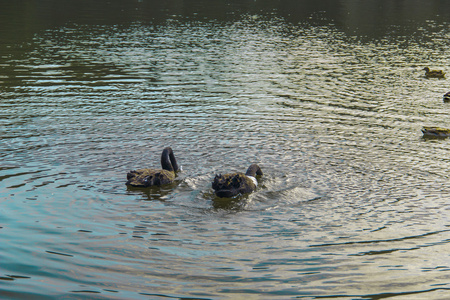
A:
(433, 73)
(447, 97)
(435, 132)
(230, 185)
(155, 177)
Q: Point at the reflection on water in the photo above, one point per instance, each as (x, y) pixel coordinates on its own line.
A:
(326, 97)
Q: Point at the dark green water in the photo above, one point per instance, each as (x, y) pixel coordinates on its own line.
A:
(328, 97)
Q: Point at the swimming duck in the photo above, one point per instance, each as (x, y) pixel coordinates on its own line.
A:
(155, 177)
(433, 73)
(230, 185)
(435, 132)
(447, 97)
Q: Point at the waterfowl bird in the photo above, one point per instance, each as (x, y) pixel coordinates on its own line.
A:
(230, 185)
(155, 177)
(433, 73)
(435, 132)
(447, 97)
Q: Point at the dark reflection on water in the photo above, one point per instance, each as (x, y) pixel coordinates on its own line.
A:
(328, 97)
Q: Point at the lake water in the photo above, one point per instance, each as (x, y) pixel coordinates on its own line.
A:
(328, 97)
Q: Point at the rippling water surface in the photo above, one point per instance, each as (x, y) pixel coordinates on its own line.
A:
(353, 203)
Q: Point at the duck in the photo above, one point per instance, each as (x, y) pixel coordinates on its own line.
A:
(435, 132)
(231, 185)
(155, 177)
(433, 73)
(447, 97)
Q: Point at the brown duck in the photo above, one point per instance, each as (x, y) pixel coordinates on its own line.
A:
(433, 73)
(435, 132)
(155, 177)
(230, 185)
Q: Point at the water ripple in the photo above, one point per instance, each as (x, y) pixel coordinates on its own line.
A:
(352, 196)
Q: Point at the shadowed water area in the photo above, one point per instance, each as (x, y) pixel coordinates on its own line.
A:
(327, 97)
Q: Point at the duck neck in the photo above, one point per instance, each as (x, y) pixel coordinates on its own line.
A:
(168, 161)
(254, 170)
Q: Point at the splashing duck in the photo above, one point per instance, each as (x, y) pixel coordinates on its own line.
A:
(433, 73)
(435, 132)
(230, 185)
(155, 177)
